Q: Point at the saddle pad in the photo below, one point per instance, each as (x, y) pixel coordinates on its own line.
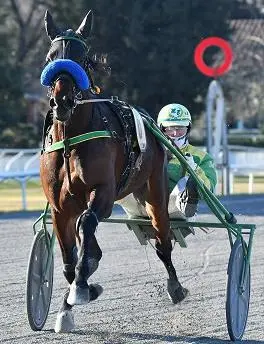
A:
(140, 130)
(53, 68)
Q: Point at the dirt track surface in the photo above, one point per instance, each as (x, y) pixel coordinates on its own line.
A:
(134, 307)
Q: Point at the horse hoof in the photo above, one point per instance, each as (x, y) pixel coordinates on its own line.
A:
(95, 291)
(78, 295)
(64, 322)
(176, 292)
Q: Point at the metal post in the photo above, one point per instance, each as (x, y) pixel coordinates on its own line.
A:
(209, 109)
(225, 156)
(217, 136)
(23, 183)
(250, 183)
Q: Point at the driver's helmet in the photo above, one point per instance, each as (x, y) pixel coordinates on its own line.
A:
(174, 115)
(175, 120)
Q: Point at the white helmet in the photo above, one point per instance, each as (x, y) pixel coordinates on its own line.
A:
(174, 115)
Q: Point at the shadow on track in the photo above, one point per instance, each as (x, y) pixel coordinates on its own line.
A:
(117, 336)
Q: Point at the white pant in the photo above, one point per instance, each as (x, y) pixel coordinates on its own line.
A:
(134, 209)
(176, 208)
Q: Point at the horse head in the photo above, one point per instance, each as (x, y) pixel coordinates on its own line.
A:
(67, 64)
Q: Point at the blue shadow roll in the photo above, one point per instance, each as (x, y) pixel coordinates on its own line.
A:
(51, 71)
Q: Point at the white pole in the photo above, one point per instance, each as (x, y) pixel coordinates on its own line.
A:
(250, 183)
(231, 183)
(23, 183)
(217, 136)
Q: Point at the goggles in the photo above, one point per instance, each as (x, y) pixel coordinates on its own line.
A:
(176, 131)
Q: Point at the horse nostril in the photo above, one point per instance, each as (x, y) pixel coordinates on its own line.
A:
(53, 103)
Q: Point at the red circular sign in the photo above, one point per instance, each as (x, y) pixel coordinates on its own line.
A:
(199, 52)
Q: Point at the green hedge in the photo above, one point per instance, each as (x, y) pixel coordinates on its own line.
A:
(254, 141)
(251, 141)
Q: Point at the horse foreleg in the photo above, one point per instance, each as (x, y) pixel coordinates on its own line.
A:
(89, 252)
(65, 318)
(89, 255)
(65, 230)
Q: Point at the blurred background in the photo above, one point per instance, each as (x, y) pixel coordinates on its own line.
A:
(150, 48)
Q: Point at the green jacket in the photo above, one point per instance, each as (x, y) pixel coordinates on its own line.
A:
(205, 169)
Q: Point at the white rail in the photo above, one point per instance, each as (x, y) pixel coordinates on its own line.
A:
(20, 165)
(23, 164)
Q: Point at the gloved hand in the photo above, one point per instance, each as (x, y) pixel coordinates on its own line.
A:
(190, 161)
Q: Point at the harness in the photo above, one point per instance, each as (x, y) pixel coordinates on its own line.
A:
(125, 117)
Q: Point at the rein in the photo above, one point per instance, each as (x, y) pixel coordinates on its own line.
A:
(84, 101)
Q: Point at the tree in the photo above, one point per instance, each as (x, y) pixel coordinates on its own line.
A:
(11, 95)
(18, 39)
(244, 84)
(150, 47)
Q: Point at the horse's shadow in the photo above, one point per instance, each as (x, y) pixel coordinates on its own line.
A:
(123, 337)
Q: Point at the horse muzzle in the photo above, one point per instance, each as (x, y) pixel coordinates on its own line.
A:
(62, 108)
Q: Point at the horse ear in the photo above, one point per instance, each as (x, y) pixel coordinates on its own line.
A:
(86, 26)
(51, 28)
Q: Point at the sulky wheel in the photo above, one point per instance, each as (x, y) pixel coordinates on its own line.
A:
(39, 286)
(237, 300)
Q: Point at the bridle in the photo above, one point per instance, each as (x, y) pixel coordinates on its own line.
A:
(64, 40)
(86, 63)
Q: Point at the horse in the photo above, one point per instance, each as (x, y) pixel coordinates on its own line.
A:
(82, 181)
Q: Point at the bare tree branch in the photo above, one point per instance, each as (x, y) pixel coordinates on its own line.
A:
(17, 13)
(31, 44)
(31, 12)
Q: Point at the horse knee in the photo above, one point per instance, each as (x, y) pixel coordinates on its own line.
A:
(87, 223)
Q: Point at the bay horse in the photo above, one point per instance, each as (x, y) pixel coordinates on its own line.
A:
(82, 182)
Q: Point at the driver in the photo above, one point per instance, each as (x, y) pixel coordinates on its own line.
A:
(175, 121)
